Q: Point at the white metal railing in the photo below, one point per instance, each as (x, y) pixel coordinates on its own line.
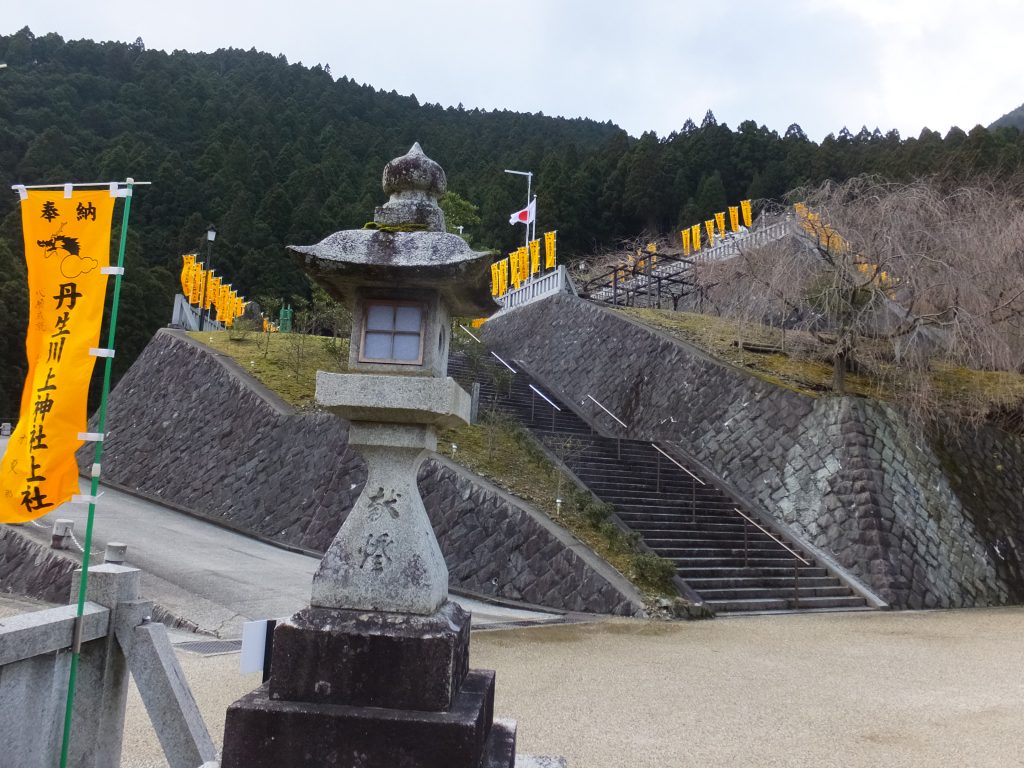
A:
(641, 282)
(536, 288)
(187, 316)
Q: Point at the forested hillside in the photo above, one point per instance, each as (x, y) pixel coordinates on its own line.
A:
(1012, 119)
(276, 153)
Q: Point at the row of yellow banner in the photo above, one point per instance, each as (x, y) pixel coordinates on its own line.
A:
(715, 227)
(832, 241)
(521, 264)
(204, 289)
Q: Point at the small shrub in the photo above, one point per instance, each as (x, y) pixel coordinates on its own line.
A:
(653, 570)
(596, 514)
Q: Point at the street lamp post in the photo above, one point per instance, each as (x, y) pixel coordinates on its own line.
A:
(529, 181)
(211, 235)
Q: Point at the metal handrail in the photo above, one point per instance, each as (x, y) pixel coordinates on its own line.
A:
(470, 334)
(544, 397)
(495, 354)
(771, 535)
(655, 447)
(624, 424)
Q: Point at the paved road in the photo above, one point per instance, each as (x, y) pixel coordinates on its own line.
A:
(210, 575)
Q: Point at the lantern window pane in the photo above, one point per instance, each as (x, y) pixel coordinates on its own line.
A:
(393, 333)
(377, 346)
(380, 317)
(407, 347)
(408, 319)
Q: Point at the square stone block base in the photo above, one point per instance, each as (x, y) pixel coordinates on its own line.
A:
(371, 658)
(261, 732)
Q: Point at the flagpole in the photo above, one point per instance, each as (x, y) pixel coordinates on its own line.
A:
(76, 646)
(529, 180)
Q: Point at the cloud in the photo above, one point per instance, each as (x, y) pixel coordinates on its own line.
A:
(820, 63)
(74, 266)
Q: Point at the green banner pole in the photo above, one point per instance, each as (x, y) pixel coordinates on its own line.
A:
(95, 487)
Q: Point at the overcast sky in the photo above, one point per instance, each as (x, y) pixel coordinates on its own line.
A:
(645, 65)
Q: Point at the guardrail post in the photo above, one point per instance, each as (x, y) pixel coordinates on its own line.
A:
(746, 544)
(102, 689)
(796, 583)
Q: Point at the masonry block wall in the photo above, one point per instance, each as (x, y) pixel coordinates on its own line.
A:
(922, 523)
(189, 428)
(29, 568)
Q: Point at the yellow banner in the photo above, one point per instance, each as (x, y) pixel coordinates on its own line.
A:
(513, 268)
(695, 236)
(720, 221)
(196, 290)
(686, 241)
(709, 225)
(212, 286)
(223, 307)
(734, 218)
(67, 244)
(534, 257)
(524, 264)
(745, 208)
(549, 250)
(188, 262)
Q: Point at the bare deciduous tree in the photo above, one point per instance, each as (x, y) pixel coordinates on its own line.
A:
(896, 274)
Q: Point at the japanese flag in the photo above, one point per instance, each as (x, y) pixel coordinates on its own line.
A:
(525, 216)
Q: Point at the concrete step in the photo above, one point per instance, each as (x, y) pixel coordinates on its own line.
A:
(782, 604)
(746, 582)
(701, 512)
(688, 572)
(784, 592)
(687, 563)
(724, 553)
(712, 545)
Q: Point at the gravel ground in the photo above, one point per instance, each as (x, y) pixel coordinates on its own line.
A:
(832, 689)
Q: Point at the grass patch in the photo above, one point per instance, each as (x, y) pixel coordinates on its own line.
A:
(508, 456)
(283, 362)
(806, 369)
(500, 450)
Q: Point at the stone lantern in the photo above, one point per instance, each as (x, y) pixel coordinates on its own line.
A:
(376, 671)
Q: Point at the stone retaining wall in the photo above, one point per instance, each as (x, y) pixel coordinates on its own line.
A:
(28, 568)
(188, 427)
(495, 545)
(845, 474)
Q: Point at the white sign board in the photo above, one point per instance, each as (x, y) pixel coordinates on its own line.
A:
(254, 646)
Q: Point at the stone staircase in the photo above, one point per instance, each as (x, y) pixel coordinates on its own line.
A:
(727, 558)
